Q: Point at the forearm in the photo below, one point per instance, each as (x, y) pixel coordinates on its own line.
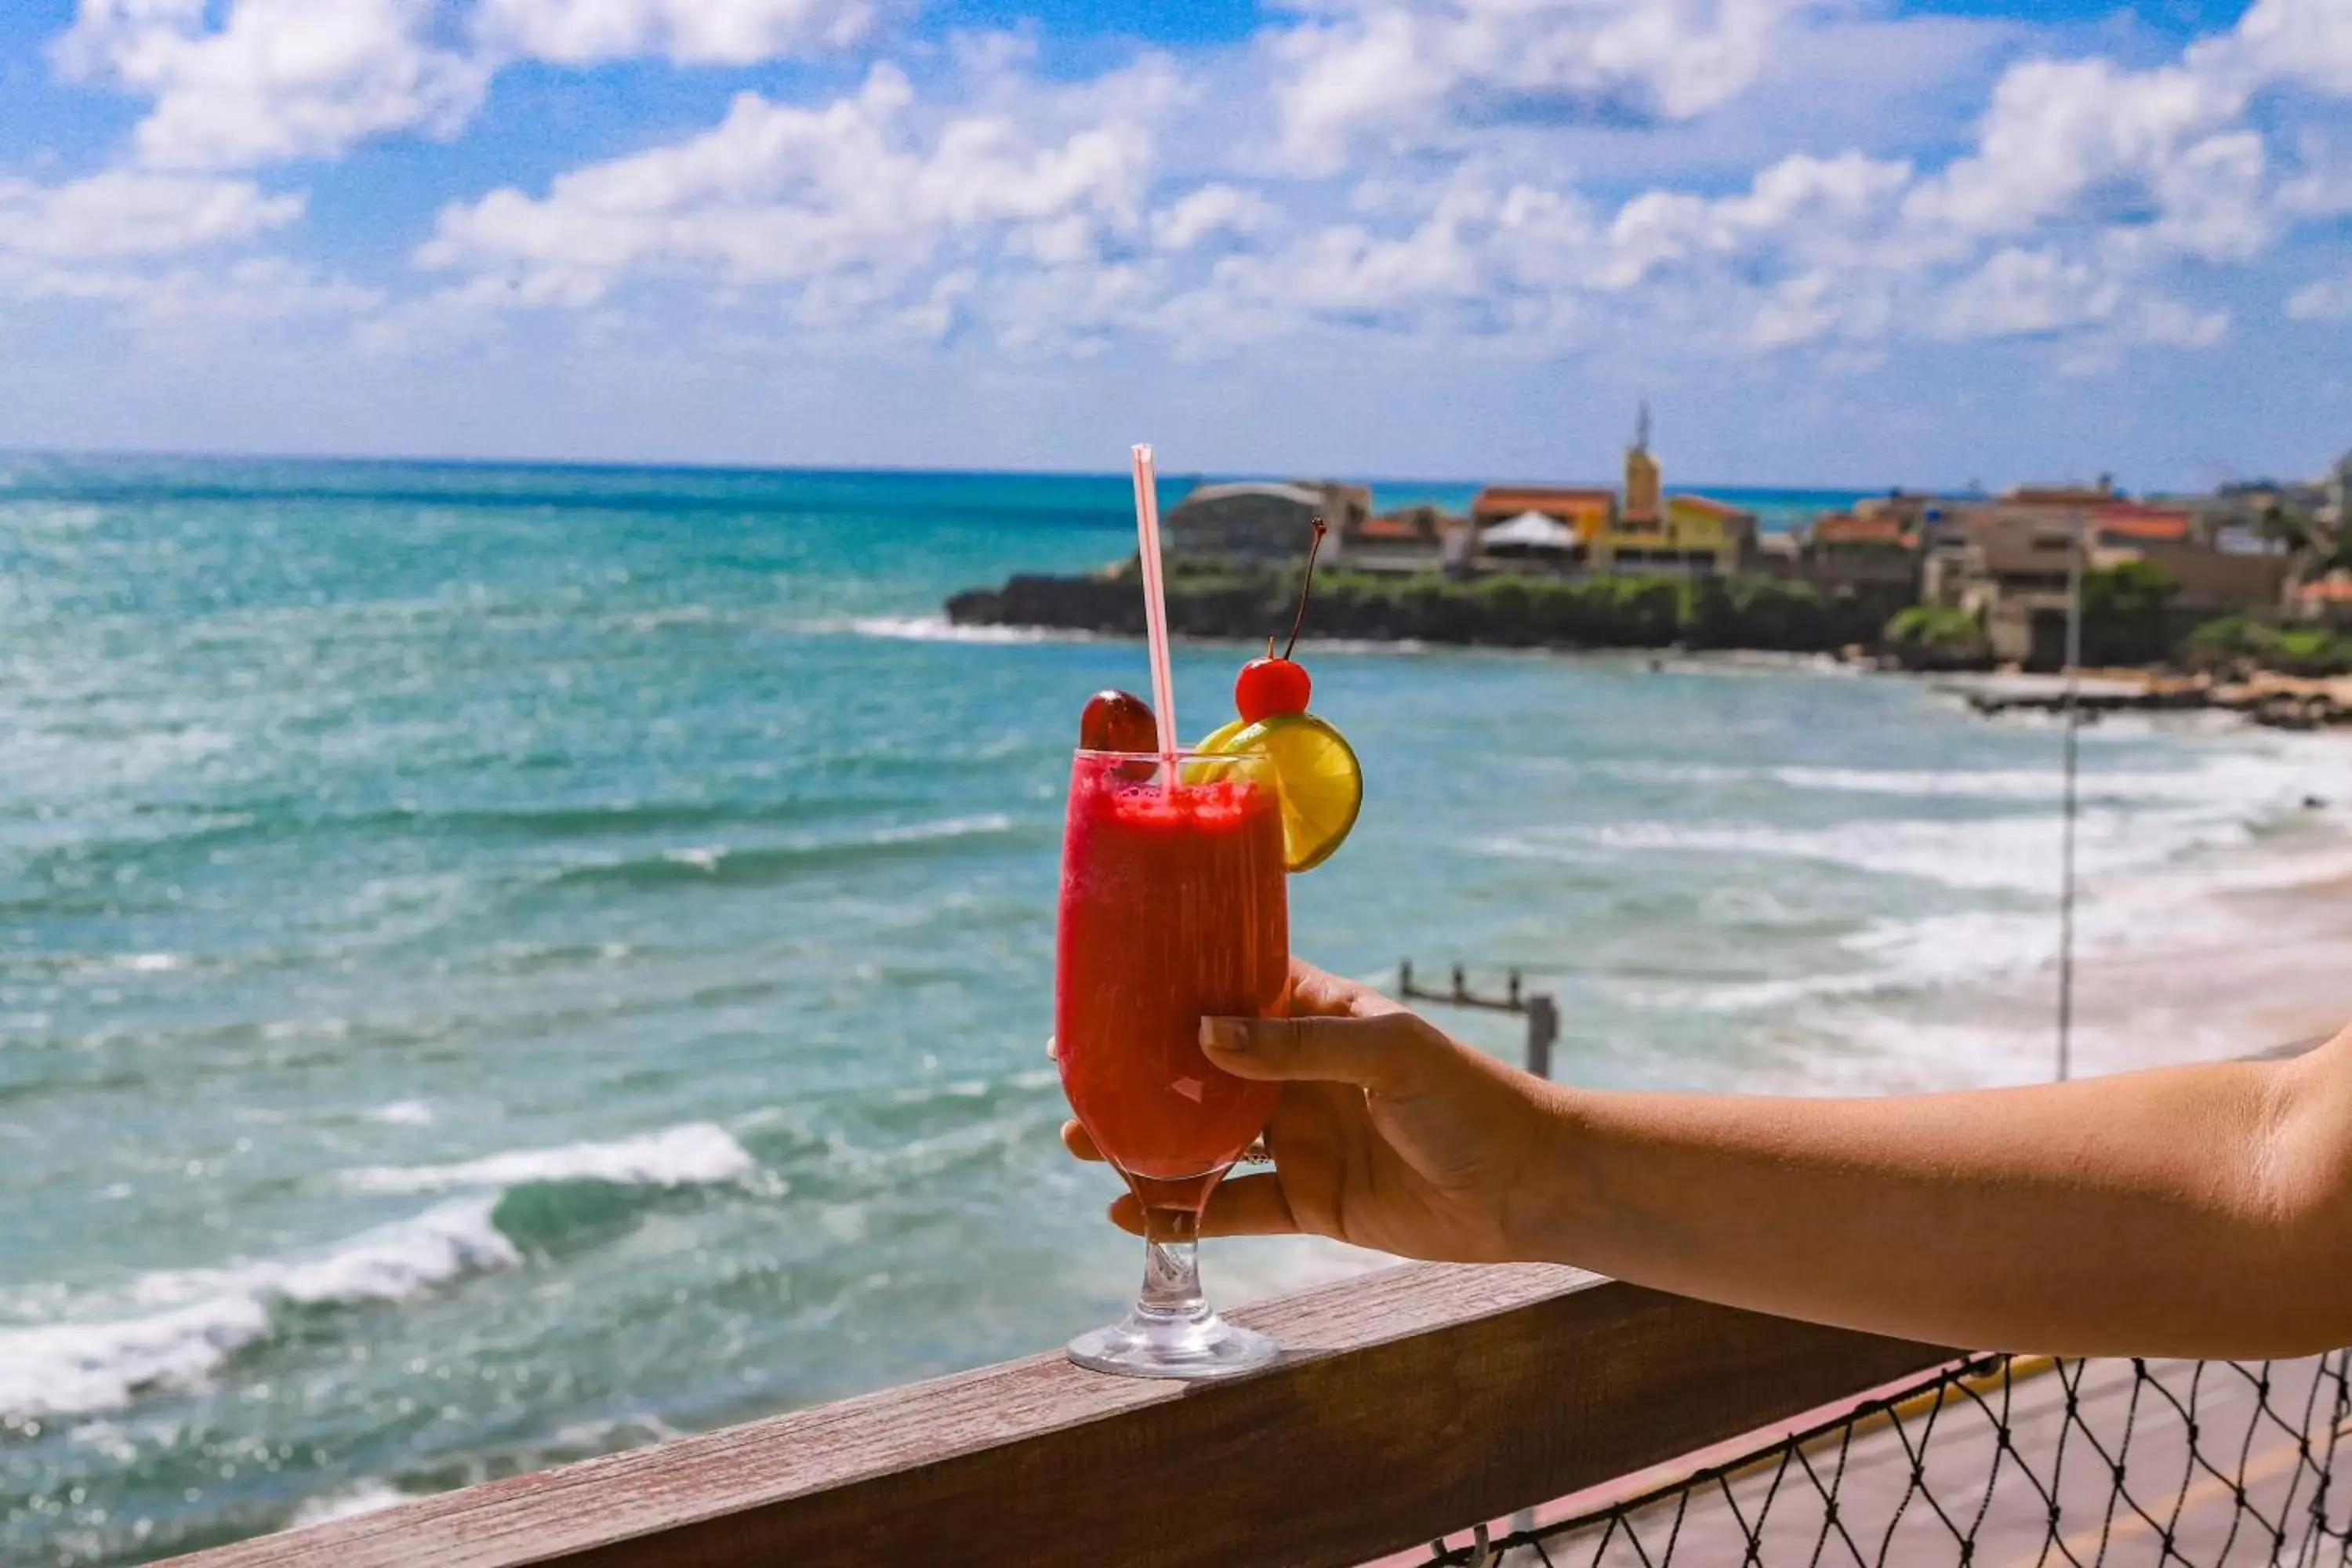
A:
(2183, 1211)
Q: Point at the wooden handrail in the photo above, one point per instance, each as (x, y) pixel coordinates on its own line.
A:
(1406, 1403)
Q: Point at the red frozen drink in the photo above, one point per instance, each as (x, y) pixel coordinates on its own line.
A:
(1173, 907)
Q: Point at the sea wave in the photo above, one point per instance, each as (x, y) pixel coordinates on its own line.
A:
(2185, 909)
(2253, 783)
(698, 1155)
(347, 1502)
(757, 863)
(938, 628)
(102, 1361)
(2010, 854)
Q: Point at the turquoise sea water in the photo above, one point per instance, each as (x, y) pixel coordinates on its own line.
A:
(502, 964)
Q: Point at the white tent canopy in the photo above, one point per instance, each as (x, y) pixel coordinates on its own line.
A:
(1530, 530)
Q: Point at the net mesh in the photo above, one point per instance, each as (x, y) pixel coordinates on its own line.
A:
(2009, 1462)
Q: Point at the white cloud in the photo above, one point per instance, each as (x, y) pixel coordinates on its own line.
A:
(124, 213)
(2321, 184)
(274, 79)
(2308, 41)
(1412, 74)
(1060, 215)
(2329, 300)
(852, 201)
(256, 292)
(2173, 324)
(1208, 211)
(1803, 208)
(701, 32)
(191, 305)
(2063, 137)
(2018, 292)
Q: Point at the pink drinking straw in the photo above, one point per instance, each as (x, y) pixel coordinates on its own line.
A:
(1155, 602)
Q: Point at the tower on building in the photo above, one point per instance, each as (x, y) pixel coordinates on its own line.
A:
(1642, 476)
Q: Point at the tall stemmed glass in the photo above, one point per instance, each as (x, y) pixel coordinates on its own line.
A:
(1173, 906)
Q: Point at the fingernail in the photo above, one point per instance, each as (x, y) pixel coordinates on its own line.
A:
(1223, 1034)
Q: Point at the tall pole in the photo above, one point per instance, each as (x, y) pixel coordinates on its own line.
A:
(2073, 719)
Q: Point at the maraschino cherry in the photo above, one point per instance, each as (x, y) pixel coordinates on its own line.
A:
(1269, 686)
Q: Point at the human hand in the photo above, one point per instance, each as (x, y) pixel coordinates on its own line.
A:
(1389, 1133)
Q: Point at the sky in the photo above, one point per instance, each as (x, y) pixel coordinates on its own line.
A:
(1833, 242)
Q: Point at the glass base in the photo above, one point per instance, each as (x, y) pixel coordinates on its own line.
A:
(1188, 1345)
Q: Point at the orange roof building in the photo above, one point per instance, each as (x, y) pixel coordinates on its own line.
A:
(1839, 530)
(1587, 508)
(1684, 500)
(2100, 494)
(2136, 519)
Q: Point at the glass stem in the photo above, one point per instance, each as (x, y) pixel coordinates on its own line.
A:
(1171, 1266)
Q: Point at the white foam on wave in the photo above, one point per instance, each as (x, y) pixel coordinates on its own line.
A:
(698, 1154)
(347, 1502)
(400, 1113)
(710, 858)
(99, 1360)
(2014, 854)
(979, 824)
(2187, 908)
(938, 628)
(2249, 780)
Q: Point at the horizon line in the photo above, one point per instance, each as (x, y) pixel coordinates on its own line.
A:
(907, 470)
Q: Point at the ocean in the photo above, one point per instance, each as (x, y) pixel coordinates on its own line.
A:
(503, 963)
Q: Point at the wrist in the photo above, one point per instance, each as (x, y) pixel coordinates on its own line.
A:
(1550, 1208)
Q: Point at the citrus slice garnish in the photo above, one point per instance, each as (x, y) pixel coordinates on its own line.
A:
(1221, 739)
(1322, 782)
(1202, 767)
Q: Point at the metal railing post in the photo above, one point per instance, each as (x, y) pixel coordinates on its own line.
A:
(1543, 1029)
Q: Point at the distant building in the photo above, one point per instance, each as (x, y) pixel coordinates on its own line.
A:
(1861, 531)
(1878, 549)
(2012, 566)
(2026, 498)
(1643, 478)
(1653, 531)
(2012, 569)
(2328, 601)
(2137, 519)
(1532, 535)
(1585, 509)
(1413, 525)
(1264, 521)
(1411, 538)
(2334, 508)
(2212, 582)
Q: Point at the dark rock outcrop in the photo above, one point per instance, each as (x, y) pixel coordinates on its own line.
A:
(1509, 611)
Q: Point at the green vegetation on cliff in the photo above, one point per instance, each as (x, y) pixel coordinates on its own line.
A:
(1513, 610)
(2245, 641)
(2127, 613)
(1929, 636)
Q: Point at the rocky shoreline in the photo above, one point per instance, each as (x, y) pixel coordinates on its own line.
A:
(1756, 614)
(2275, 701)
(1759, 614)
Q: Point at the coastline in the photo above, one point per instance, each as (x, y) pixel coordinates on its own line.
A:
(1748, 615)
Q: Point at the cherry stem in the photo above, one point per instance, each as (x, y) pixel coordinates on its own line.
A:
(1305, 592)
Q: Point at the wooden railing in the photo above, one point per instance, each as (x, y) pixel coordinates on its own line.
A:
(1406, 1403)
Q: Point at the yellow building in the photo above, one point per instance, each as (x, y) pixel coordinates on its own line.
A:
(1657, 533)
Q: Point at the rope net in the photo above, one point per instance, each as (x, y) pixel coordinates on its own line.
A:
(2000, 1461)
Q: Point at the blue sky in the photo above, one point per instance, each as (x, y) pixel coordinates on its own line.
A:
(1834, 241)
